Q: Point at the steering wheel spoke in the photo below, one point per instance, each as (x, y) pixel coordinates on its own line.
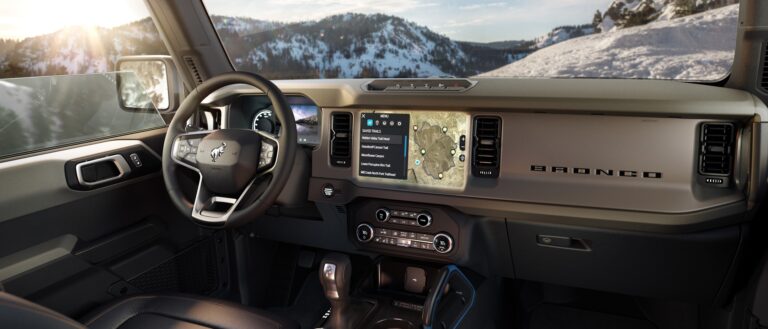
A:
(268, 155)
(216, 209)
(185, 148)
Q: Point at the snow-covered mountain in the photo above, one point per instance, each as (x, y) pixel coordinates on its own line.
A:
(242, 25)
(79, 50)
(698, 46)
(563, 33)
(357, 45)
(627, 13)
(348, 45)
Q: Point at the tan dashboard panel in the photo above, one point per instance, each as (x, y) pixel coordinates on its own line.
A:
(609, 162)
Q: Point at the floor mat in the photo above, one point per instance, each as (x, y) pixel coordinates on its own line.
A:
(551, 316)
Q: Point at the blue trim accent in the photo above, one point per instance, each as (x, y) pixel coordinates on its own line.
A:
(405, 147)
(454, 269)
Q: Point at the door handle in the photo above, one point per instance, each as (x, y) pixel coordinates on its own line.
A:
(118, 161)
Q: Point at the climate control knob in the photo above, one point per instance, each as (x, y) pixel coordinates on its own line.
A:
(424, 219)
(364, 233)
(443, 243)
(382, 214)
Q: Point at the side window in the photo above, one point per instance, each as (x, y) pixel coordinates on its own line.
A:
(58, 79)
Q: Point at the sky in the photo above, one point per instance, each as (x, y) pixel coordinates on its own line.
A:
(481, 21)
(24, 18)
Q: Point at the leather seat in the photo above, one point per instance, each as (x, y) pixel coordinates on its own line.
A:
(177, 311)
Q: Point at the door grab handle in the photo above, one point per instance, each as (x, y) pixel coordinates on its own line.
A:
(119, 162)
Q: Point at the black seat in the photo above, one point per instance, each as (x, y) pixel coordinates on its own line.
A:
(178, 311)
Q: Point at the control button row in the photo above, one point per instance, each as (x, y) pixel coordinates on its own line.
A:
(441, 242)
(404, 214)
(402, 217)
(383, 232)
(403, 242)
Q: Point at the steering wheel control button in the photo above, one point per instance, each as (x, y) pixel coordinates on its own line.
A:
(329, 191)
(382, 214)
(443, 243)
(267, 155)
(364, 233)
(424, 219)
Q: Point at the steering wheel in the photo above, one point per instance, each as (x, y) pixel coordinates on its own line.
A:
(241, 171)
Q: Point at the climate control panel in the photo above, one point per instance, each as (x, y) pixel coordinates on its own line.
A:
(440, 242)
(404, 217)
(404, 229)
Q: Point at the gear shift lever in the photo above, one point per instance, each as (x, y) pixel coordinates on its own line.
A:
(335, 275)
(336, 278)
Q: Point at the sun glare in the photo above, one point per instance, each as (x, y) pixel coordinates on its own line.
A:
(21, 19)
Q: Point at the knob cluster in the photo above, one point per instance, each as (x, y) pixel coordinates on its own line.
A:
(423, 219)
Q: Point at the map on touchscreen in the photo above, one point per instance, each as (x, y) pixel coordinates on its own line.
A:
(419, 147)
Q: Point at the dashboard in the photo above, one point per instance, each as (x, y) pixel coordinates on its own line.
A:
(636, 187)
(256, 112)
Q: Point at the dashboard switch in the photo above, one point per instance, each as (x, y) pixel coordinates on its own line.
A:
(382, 214)
(328, 190)
(424, 219)
(443, 243)
(364, 233)
(136, 160)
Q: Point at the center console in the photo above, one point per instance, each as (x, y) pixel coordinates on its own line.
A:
(396, 294)
(406, 230)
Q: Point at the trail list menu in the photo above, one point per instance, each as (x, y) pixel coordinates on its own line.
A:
(384, 145)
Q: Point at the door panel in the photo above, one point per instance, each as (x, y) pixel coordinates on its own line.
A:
(72, 249)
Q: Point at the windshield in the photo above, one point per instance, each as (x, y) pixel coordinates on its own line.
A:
(648, 39)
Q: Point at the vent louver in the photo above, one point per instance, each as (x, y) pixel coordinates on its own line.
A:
(716, 152)
(486, 146)
(341, 139)
(764, 73)
(192, 67)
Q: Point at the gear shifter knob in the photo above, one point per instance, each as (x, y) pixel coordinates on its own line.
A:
(335, 276)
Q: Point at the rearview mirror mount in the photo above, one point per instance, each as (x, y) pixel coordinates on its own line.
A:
(146, 83)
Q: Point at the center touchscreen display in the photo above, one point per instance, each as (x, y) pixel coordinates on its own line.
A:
(384, 145)
(424, 148)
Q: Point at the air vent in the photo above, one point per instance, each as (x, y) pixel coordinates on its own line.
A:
(419, 85)
(341, 139)
(764, 73)
(192, 67)
(486, 146)
(716, 152)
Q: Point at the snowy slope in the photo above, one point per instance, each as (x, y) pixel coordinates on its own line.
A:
(358, 45)
(693, 47)
(627, 13)
(562, 33)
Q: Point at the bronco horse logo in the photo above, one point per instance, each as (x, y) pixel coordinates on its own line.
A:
(218, 152)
